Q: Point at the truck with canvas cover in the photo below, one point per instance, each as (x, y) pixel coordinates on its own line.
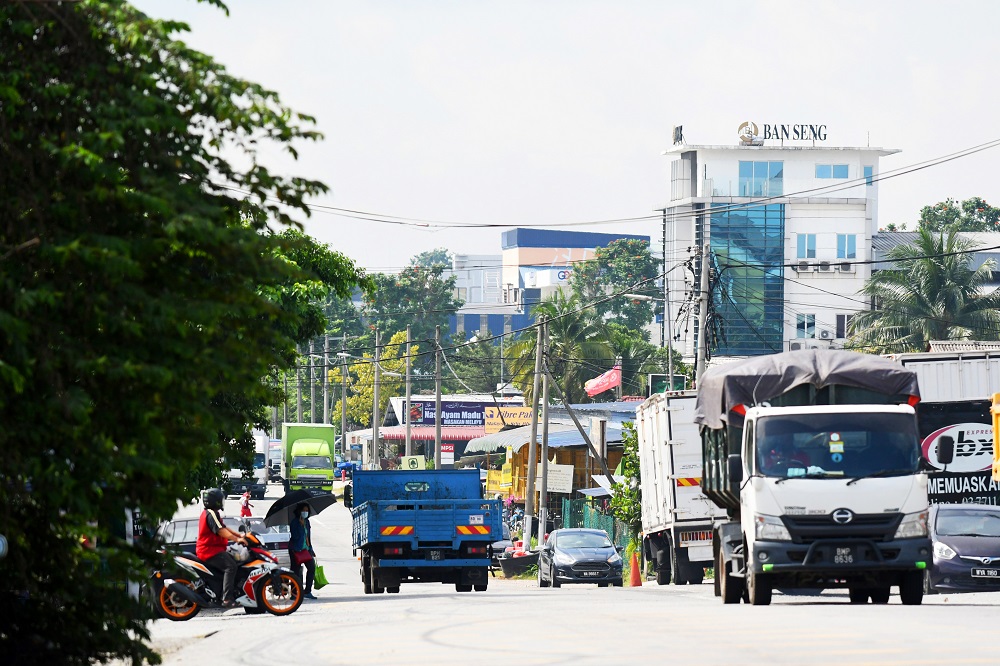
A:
(308, 456)
(423, 526)
(815, 457)
(677, 518)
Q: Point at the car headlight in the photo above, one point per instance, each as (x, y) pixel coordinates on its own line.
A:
(615, 559)
(943, 551)
(914, 525)
(564, 560)
(770, 528)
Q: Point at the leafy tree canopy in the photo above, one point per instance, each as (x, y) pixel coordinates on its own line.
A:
(144, 305)
(970, 215)
(361, 394)
(437, 257)
(620, 265)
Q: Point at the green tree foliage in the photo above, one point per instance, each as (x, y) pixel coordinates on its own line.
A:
(361, 391)
(638, 358)
(931, 293)
(477, 364)
(620, 265)
(419, 296)
(970, 215)
(142, 301)
(437, 257)
(626, 501)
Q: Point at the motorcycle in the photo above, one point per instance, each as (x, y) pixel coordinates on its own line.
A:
(265, 586)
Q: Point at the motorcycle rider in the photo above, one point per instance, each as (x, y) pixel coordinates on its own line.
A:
(213, 538)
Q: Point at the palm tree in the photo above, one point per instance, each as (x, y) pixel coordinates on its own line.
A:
(932, 293)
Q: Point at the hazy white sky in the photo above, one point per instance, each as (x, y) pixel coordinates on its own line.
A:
(528, 113)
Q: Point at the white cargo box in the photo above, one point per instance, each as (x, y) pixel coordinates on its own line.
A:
(954, 376)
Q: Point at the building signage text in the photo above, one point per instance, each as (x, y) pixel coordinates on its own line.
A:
(751, 134)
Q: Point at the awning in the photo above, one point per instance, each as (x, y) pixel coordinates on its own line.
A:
(424, 433)
(594, 492)
(560, 435)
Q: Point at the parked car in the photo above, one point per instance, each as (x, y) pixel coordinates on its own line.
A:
(182, 535)
(578, 555)
(966, 544)
(500, 547)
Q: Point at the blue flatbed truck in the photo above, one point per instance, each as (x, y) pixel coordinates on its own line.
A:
(423, 526)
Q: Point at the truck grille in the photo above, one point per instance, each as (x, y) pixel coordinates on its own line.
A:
(871, 526)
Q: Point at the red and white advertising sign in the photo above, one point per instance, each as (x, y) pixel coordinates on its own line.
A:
(608, 380)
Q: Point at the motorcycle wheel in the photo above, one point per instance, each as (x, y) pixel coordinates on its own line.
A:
(287, 600)
(175, 607)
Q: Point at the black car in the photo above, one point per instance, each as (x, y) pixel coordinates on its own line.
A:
(182, 535)
(501, 546)
(966, 539)
(578, 555)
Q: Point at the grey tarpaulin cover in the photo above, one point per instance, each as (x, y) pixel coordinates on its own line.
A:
(762, 378)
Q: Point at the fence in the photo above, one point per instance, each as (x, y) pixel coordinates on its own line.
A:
(579, 513)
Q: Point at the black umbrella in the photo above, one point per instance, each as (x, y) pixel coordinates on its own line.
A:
(281, 512)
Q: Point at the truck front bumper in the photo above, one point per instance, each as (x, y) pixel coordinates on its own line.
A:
(840, 557)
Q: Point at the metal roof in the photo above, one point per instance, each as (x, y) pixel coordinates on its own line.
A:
(560, 435)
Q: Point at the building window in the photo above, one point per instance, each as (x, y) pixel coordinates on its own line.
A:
(847, 246)
(805, 326)
(869, 176)
(806, 246)
(460, 293)
(831, 171)
(761, 179)
(844, 324)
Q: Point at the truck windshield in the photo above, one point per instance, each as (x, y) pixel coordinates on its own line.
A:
(311, 462)
(258, 461)
(837, 445)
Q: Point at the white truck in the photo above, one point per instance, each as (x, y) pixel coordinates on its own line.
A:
(815, 456)
(257, 482)
(677, 518)
(957, 388)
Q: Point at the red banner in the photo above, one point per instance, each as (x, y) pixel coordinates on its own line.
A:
(608, 380)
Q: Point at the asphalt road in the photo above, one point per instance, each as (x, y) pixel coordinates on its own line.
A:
(516, 622)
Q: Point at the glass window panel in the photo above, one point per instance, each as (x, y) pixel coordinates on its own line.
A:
(869, 174)
(801, 249)
(852, 247)
(823, 170)
(840, 171)
(746, 178)
(776, 185)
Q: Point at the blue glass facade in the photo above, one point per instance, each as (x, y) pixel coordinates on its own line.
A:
(748, 245)
(762, 179)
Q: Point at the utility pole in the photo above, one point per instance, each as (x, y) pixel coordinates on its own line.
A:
(699, 369)
(668, 324)
(437, 397)
(373, 458)
(543, 495)
(325, 375)
(343, 398)
(312, 381)
(529, 493)
(284, 404)
(618, 389)
(409, 367)
(298, 384)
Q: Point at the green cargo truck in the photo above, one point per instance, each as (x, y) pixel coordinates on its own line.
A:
(308, 456)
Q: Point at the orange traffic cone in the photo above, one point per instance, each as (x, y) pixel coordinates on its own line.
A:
(635, 579)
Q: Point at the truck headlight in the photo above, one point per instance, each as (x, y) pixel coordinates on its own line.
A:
(943, 551)
(914, 525)
(770, 528)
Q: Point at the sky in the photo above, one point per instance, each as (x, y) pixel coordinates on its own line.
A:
(554, 112)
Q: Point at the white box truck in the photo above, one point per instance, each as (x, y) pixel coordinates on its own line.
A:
(677, 518)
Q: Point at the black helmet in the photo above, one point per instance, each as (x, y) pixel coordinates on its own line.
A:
(213, 498)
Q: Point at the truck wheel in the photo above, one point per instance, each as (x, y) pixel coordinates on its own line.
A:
(662, 568)
(911, 588)
(730, 587)
(393, 590)
(758, 589)
(462, 588)
(366, 575)
(694, 574)
(675, 567)
(879, 595)
(480, 588)
(858, 595)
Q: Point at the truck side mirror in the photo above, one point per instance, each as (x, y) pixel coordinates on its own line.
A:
(734, 469)
(348, 497)
(946, 449)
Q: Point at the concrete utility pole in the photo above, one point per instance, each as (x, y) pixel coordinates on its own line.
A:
(699, 369)
(284, 405)
(373, 458)
(409, 367)
(437, 397)
(543, 494)
(312, 381)
(298, 385)
(618, 389)
(325, 374)
(343, 399)
(529, 493)
(668, 324)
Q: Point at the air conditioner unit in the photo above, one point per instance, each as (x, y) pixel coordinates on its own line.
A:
(803, 266)
(845, 267)
(824, 267)
(825, 334)
(795, 345)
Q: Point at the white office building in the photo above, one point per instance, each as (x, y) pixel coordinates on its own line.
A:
(788, 220)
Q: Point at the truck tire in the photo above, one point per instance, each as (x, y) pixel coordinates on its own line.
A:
(858, 595)
(758, 589)
(479, 588)
(730, 587)
(694, 574)
(880, 595)
(366, 575)
(393, 590)
(675, 565)
(462, 588)
(662, 568)
(911, 588)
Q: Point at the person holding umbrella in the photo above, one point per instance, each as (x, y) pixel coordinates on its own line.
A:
(300, 547)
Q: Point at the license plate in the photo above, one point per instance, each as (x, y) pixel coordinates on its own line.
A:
(435, 555)
(591, 574)
(843, 556)
(986, 573)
